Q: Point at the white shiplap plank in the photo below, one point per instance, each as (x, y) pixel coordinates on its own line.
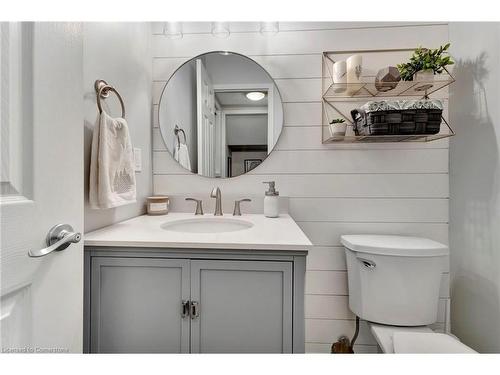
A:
(333, 307)
(328, 233)
(303, 42)
(326, 258)
(334, 161)
(326, 282)
(328, 331)
(163, 68)
(327, 307)
(370, 210)
(284, 66)
(302, 114)
(315, 185)
(299, 90)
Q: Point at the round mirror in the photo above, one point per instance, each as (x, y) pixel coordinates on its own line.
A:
(220, 114)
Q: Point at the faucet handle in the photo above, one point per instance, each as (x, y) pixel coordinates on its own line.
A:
(199, 205)
(237, 210)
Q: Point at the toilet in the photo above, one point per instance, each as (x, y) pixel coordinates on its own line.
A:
(394, 285)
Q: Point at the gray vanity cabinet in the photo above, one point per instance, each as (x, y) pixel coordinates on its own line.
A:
(148, 301)
(136, 303)
(245, 307)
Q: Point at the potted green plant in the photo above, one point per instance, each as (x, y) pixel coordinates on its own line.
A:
(338, 127)
(424, 63)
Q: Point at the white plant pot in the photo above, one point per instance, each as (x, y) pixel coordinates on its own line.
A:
(338, 129)
(424, 76)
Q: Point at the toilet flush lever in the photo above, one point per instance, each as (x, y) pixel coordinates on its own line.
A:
(368, 263)
(59, 238)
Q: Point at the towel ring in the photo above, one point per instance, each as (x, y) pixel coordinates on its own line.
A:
(102, 90)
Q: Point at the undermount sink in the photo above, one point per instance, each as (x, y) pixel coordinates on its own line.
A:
(206, 225)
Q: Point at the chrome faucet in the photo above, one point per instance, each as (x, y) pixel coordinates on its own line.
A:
(218, 205)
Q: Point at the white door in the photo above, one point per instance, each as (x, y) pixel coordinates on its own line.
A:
(220, 144)
(42, 185)
(206, 121)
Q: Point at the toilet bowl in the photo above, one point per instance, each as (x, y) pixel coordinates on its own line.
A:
(394, 284)
(416, 340)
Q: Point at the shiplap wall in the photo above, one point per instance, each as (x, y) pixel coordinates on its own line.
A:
(332, 189)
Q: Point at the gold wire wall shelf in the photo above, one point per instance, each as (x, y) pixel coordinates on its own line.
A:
(340, 98)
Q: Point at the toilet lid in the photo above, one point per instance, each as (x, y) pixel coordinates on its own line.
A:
(422, 342)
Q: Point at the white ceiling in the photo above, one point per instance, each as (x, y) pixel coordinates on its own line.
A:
(238, 99)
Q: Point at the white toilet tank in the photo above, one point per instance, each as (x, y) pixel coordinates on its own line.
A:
(394, 279)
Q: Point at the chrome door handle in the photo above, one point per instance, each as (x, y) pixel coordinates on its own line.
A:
(59, 238)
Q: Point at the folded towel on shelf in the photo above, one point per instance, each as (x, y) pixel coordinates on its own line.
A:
(181, 155)
(112, 174)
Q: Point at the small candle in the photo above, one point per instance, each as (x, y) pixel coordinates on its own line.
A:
(157, 205)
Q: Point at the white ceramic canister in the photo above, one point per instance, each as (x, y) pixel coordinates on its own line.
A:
(340, 76)
(354, 71)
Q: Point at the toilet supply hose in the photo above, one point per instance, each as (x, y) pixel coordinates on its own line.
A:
(344, 345)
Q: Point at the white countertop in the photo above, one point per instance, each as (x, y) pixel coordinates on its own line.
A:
(281, 233)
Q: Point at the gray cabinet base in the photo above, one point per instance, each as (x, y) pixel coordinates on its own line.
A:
(249, 301)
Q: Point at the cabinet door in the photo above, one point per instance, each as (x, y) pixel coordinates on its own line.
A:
(136, 305)
(243, 307)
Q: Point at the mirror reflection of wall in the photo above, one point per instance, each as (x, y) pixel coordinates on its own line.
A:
(230, 110)
(246, 137)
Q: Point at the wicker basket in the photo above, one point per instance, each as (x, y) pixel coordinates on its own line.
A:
(398, 117)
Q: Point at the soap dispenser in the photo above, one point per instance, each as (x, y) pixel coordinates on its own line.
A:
(271, 201)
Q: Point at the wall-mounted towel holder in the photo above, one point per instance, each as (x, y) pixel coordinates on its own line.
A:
(102, 90)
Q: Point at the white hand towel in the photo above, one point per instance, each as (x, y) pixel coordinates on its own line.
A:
(112, 175)
(181, 155)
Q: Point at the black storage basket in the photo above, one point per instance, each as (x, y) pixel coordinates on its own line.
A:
(397, 122)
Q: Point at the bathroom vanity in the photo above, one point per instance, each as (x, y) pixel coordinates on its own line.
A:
(182, 283)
